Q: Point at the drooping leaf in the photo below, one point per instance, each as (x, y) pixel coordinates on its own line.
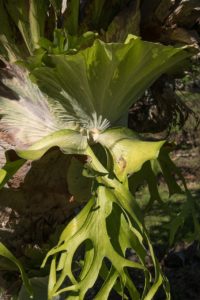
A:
(69, 141)
(7, 254)
(136, 224)
(169, 170)
(188, 211)
(146, 175)
(128, 150)
(92, 227)
(9, 169)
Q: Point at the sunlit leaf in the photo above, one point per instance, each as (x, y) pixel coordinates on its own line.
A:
(89, 84)
(103, 242)
(2, 175)
(69, 141)
(9, 169)
(86, 93)
(129, 150)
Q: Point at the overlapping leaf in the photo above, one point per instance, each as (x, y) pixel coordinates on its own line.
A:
(9, 169)
(128, 150)
(106, 234)
(69, 141)
(7, 254)
(91, 91)
(100, 83)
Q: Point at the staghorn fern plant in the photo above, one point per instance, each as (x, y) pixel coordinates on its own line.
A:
(78, 106)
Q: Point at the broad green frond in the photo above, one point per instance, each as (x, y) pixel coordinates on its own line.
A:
(105, 79)
(90, 90)
(69, 141)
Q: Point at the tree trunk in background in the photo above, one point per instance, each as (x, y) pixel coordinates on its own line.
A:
(171, 21)
(166, 21)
